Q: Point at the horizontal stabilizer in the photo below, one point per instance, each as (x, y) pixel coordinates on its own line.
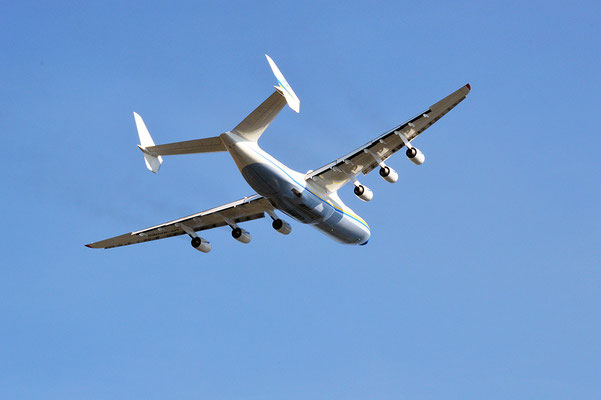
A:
(208, 145)
(253, 126)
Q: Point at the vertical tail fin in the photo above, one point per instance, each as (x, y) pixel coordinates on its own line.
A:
(283, 86)
(153, 162)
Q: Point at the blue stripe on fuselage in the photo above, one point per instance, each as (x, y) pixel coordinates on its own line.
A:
(308, 190)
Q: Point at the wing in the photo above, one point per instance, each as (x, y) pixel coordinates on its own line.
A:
(246, 209)
(331, 176)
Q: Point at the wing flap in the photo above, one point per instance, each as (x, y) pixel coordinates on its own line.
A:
(358, 160)
(246, 209)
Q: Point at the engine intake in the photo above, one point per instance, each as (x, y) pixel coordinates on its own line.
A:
(389, 174)
(363, 192)
(281, 226)
(416, 156)
(241, 235)
(200, 244)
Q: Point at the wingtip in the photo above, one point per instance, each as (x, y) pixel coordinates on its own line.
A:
(89, 246)
(469, 87)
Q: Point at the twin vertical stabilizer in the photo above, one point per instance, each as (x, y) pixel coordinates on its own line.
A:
(283, 86)
(153, 162)
(251, 128)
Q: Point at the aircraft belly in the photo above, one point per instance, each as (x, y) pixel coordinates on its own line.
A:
(288, 196)
(303, 205)
(344, 229)
(266, 180)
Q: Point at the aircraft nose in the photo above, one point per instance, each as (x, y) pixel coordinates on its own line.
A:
(364, 237)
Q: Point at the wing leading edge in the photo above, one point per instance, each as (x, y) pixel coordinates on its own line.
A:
(336, 174)
(246, 209)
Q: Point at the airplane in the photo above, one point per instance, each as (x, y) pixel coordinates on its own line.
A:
(310, 198)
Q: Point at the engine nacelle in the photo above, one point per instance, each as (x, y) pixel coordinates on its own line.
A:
(201, 245)
(389, 174)
(363, 192)
(281, 226)
(416, 156)
(241, 235)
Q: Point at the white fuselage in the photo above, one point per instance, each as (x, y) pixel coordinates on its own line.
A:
(290, 192)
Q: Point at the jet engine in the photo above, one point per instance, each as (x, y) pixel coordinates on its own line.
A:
(363, 192)
(241, 235)
(389, 174)
(281, 226)
(416, 156)
(200, 244)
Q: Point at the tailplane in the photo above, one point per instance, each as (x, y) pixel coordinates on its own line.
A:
(253, 126)
(153, 153)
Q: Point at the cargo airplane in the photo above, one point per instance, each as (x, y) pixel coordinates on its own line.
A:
(310, 198)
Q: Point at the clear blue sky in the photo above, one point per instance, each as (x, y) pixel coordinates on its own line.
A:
(482, 277)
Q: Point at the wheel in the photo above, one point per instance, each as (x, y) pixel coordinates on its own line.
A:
(236, 233)
(277, 224)
(359, 190)
(384, 172)
(412, 152)
(196, 242)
